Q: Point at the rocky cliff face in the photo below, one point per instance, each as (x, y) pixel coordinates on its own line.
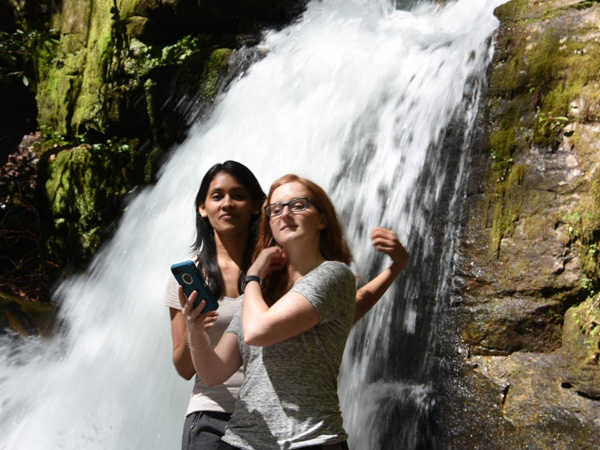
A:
(526, 372)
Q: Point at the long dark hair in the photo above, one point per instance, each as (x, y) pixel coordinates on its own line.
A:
(332, 242)
(205, 246)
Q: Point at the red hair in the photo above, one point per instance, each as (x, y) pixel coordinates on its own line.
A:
(332, 243)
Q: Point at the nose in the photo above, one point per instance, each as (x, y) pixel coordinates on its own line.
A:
(227, 203)
(286, 211)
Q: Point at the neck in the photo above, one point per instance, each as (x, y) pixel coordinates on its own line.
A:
(230, 258)
(231, 248)
(303, 260)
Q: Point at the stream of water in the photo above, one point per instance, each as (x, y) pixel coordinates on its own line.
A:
(374, 101)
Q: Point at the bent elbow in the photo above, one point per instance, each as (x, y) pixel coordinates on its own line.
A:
(260, 334)
(185, 372)
(256, 339)
(253, 341)
(210, 383)
(213, 379)
(186, 375)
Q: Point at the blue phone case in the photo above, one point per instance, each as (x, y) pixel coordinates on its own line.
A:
(187, 275)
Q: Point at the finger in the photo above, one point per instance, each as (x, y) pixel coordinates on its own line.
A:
(186, 302)
(210, 319)
(384, 237)
(182, 297)
(386, 244)
(385, 249)
(382, 232)
(197, 312)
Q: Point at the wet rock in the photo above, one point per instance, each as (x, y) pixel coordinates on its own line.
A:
(524, 310)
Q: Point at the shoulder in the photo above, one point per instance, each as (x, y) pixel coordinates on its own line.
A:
(336, 269)
(331, 288)
(235, 326)
(331, 275)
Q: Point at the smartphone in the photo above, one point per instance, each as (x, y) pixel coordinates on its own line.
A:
(187, 275)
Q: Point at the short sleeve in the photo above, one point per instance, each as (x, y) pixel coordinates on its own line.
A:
(171, 296)
(235, 326)
(331, 288)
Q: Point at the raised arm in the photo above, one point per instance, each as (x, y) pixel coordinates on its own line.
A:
(214, 366)
(385, 241)
(291, 315)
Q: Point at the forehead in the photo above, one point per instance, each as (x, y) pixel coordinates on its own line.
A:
(225, 181)
(288, 191)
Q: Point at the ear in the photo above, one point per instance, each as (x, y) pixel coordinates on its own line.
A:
(322, 222)
(258, 207)
(202, 211)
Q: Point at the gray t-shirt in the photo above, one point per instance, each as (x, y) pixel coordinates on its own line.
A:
(289, 395)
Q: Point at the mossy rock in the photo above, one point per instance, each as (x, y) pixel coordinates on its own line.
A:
(84, 188)
(26, 317)
(581, 346)
(541, 67)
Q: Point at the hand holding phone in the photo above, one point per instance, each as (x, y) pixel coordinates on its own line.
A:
(187, 275)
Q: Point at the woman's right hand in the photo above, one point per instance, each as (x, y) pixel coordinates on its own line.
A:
(269, 260)
(194, 319)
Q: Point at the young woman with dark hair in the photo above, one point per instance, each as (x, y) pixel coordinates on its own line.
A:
(290, 333)
(228, 211)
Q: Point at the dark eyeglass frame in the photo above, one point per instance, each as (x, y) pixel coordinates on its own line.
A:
(283, 205)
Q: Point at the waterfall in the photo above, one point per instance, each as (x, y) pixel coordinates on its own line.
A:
(376, 102)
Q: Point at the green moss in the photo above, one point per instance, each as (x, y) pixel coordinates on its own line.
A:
(106, 51)
(537, 76)
(517, 175)
(584, 230)
(176, 54)
(567, 66)
(512, 11)
(508, 199)
(581, 345)
(502, 144)
(216, 67)
(505, 217)
(84, 194)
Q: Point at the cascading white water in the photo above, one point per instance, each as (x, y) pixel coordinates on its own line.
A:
(357, 96)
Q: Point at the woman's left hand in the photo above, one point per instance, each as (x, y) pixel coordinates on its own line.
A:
(386, 241)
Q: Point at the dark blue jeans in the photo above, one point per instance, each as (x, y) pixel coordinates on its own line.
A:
(338, 446)
(202, 430)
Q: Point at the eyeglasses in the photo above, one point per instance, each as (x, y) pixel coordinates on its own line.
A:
(296, 205)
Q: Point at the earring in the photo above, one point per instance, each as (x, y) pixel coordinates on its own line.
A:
(203, 215)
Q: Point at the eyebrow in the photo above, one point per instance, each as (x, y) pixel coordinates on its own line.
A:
(235, 189)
